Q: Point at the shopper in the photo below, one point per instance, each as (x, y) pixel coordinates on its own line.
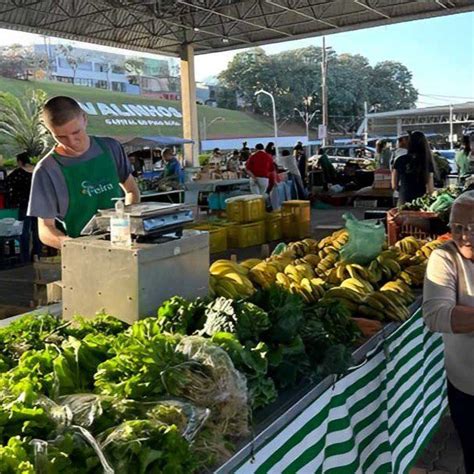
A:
(18, 184)
(401, 148)
(329, 172)
(465, 157)
(448, 307)
(413, 173)
(260, 167)
(79, 176)
(244, 152)
(302, 161)
(271, 149)
(216, 157)
(288, 161)
(233, 162)
(382, 155)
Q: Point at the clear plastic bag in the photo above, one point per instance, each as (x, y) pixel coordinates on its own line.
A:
(366, 239)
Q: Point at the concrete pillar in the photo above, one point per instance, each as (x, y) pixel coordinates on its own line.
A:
(188, 105)
(399, 126)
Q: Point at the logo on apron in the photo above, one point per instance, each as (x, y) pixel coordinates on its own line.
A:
(95, 189)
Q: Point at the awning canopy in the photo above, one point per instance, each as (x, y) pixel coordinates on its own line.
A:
(155, 142)
(210, 25)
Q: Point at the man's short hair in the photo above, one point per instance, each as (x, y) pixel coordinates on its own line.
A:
(166, 152)
(24, 157)
(60, 110)
(259, 146)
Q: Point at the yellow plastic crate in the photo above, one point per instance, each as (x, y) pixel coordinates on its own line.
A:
(217, 237)
(293, 229)
(243, 209)
(300, 210)
(246, 235)
(273, 230)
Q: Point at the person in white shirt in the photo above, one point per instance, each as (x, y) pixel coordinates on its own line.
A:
(289, 162)
(448, 308)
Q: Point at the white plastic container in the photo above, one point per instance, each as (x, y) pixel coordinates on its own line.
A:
(120, 235)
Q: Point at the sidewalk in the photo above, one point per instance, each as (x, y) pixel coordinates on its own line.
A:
(443, 455)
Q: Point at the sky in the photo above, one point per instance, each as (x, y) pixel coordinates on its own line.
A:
(438, 51)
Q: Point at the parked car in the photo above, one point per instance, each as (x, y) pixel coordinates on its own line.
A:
(449, 155)
(341, 154)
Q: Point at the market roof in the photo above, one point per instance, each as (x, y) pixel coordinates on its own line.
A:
(210, 25)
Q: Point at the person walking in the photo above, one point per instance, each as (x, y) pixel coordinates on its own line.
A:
(448, 308)
(260, 167)
(413, 173)
(18, 184)
(382, 155)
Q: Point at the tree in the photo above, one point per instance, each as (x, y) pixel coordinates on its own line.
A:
(71, 58)
(21, 128)
(135, 68)
(391, 86)
(293, 76)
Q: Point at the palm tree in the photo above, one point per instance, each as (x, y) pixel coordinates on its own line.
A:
(21, 128)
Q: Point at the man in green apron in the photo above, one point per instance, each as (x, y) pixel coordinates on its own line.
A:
(79, 176)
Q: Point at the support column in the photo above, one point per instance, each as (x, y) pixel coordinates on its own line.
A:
(188, 105)
(399, 127)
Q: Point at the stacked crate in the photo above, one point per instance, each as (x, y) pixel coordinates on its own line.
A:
(296, 219)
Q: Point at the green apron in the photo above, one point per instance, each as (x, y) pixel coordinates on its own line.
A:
(91, 185)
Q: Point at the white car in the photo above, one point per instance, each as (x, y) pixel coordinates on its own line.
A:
(340, 155)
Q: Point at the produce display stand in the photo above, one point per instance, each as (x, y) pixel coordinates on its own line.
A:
(376, 418)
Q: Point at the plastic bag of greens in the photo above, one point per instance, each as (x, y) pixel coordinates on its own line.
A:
(222, 389)
(366, 239)
(98, 413)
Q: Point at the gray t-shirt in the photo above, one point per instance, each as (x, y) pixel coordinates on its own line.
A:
(49, 198)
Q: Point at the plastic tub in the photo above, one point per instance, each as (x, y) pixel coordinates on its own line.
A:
(243, 209)
(300, 210)
(217, 237)
(246, 235)
(273, 230)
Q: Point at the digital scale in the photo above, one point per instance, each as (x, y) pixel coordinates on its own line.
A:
(147, 220)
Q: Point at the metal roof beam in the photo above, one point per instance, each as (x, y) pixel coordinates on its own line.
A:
(373, 10)
(232, 18)
(304, 15)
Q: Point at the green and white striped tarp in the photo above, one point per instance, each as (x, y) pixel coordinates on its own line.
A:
(374, 420)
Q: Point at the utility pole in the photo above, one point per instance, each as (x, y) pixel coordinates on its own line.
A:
(324, 93)
(275, 123)
(451, 141)
(366, 124)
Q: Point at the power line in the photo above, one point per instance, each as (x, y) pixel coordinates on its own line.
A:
(434, 96)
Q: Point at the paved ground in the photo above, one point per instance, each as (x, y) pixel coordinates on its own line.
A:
(443, 455)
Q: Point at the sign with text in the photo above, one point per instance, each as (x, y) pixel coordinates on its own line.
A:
(134, 114)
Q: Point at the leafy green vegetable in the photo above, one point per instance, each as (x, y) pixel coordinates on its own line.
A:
(252, 361)
(242, 318)
(178, 315)
(143, 446)
(285, 311)
(26, 333)
(102, 324)
(14, 458)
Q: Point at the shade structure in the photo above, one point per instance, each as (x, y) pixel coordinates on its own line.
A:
(166, 26)
(155, 142)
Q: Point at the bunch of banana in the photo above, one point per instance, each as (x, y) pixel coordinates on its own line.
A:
(222, 267)
(312, 245)
(326, 263)
(389, 265)
(358, 285)
(263, 274)
(401, 288)
(300, 248)
(312, 259)
(381, 305)
(414, 275)
(350, 298)
(309, 291)
(297, 272)
(250, 263)
(408, 245)
(337, 240)
(280, 261)
(425, 251)
(231, 285)
(329, 249)
(375, 272)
